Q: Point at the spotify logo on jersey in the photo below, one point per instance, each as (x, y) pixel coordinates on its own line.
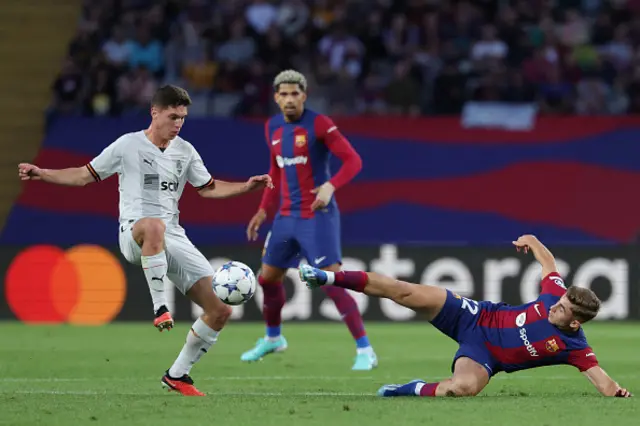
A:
(82, 285)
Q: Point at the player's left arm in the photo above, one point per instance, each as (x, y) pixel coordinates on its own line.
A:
(208, 187)
(585, 360)
(605, 384)
(329, 133)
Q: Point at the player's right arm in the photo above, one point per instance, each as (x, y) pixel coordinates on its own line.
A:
(100, 168)
(75, 176)
(605, 384)
(269, 197)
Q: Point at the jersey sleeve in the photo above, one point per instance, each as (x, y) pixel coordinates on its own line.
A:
(108, 162)
(270, 196)
(583, 359)
(197, 173)
(553, 284)
(328, 132)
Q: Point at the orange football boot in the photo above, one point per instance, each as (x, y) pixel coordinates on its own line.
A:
(183, 385)
(164, 320)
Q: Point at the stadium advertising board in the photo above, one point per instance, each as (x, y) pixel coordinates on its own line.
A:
(89, 285)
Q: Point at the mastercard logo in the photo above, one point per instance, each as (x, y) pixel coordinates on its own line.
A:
(84, 285)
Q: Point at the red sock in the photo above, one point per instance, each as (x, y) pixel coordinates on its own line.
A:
(429, 389)
(274, 300)
(352, 280)
(348, 309)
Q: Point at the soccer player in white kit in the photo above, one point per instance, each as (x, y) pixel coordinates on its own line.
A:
(153, 166)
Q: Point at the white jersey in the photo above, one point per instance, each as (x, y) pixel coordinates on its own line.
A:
(150, 181)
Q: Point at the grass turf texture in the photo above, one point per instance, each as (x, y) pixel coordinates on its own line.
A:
(64, 375)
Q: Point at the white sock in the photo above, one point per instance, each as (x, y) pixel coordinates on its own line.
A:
(368, 350)
(155, 269)
(200, 338)
(331, 277)
(419, 387)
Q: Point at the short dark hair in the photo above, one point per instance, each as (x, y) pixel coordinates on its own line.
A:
(170, 96)
(585, 303)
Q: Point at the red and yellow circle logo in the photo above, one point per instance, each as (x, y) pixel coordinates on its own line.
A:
(84, 285)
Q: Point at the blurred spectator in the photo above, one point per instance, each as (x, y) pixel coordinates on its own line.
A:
(240, 48)
(293, 17)
(573, 31)
(261, 14)
(67, 88)
(146, 52)
(117, 49)
(342, 50)
(405, 57)
(403, 92)
(489, 46)
(556, 93)
(592, 96)
(102, 94)
(135, 90)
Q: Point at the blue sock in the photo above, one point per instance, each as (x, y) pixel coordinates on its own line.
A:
(363, 342)
(273, 331)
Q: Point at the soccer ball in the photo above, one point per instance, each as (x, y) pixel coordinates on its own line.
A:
(234, 283)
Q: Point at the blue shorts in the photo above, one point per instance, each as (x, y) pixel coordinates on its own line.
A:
(458, 319)
(316, 239)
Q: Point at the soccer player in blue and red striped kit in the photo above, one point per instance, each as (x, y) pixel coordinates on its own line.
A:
(493, 337)
(308, 222)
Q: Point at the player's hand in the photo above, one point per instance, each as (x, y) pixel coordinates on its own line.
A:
(525, 242)
(623, 393)
(259, 182)
(323, 196)
(28, 171)
(254, 225)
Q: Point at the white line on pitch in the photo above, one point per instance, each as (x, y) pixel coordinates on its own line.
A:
(259, 394)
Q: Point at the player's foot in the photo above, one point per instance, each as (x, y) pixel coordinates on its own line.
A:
(314, 277)
(408, 389)
(164, 320)
(183, 385)
(365, 362)
(264, 347)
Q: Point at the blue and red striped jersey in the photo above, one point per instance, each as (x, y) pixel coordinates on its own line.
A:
(300, 154)
(521, 337)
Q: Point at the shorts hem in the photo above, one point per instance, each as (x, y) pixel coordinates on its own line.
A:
(488, 369)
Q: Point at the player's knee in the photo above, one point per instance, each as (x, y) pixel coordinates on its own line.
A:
(269, 274)
(155, 228)
(216, 317)
(461, 388)
(150, 230)
(223, 314)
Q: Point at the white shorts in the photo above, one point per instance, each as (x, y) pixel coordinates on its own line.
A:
(185, 264)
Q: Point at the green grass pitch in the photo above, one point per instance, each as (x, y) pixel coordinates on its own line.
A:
(63, 375)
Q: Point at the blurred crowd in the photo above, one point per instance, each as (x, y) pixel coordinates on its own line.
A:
(410, 57)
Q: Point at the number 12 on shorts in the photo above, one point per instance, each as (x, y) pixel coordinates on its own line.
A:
(470, 305)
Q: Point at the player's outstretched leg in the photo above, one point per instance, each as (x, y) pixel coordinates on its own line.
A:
(149, 234)
(469, 378)
(202, 335)
(426, 299)
(366, 358)
(270, 279)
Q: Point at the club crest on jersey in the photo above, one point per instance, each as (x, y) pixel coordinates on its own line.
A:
(301, 140)
(521, 319)
(552, 345)
(179, 166)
